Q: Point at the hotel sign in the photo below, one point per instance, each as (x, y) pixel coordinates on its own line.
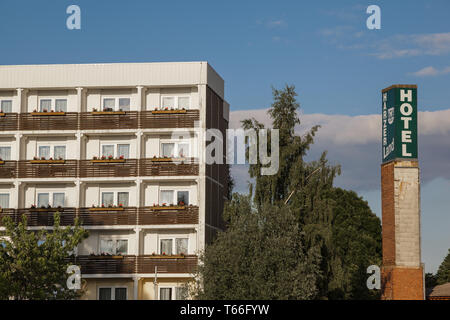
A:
(399, 122)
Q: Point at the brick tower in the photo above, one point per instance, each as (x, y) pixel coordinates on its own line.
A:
(402, 270)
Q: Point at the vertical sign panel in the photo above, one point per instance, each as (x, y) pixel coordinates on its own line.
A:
(399, 122)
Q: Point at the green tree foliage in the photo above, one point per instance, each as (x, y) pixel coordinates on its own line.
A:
(260, 256)
(357, 241)
(33, 264)
(336, 235)
(443, 273)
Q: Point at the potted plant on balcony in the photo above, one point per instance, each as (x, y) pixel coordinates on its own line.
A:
(180, 203)
(122, 157)
(120, 205)
(35, 158)
(110, 157)
(103, 158)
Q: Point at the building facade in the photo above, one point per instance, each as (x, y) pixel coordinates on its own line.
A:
(120, 146)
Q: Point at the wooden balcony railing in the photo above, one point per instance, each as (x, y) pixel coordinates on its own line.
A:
(8, 169)
(49, 121)
(147, 264)
(113, 120)
(123, 216)
(47, 169)
(9, 121)
(105, 264)
(148, 167)
(127, 216)
(150, 120)
(121, 168)
(148, 215)
(40, 217)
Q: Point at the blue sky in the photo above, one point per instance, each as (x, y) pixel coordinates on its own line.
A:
(323, 47)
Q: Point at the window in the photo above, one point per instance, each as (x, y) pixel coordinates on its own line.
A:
(6, 106)
(43, 200)
(116, 104)
(5, 153)
(165, 293)
(57, 199)
(167, 197)
(175, 102)
(45, 105)
(61, 105)
(107, 199)
(182, 293)
(114, 246)
(4, 200)
(112, 293)
(170, 246)
(175, 149)
(55, 152)
(116, 150)
(110, 198)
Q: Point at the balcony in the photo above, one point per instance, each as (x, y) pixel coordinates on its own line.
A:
(108, 120)
(152, 216)
(147, 264)
(41, 217)
(9, 121)
(105, 264)
(49, 121)
(8, 169)
(108, 216)
(159, 119)
(109, 168)
(154, 167)
(47, 169)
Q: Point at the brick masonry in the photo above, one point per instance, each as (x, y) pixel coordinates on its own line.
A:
(402, 272)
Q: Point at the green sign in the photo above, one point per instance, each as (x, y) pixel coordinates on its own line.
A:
(399, 122)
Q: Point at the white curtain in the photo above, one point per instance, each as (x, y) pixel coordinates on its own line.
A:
(183, 102)
(123, 150)
(4, 200)
(108, 150)
(122, 198)
(5, 153)
(109, 103)
(61, 105)
(7, 106)
(60, 152)
(124, 104)
(168, 149)
(122, 246)
(166, 197)
(44, 151)
(43, 199)
(58, 199)
(107, 246)
(181, 245)
(166, 246)
(107, 198)
(165, 294)
(168, 102)
(46, 105)
(183, 150)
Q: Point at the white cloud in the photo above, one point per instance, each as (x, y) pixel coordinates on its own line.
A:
(430, 72)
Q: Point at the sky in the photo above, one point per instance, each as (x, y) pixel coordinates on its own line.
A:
(324, 48)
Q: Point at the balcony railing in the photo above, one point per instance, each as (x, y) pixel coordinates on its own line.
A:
(108, 168)
(151, 120)
(150, 167)
(108, 120)
(49, 121)
(40, 217)
(105, 264)
(43, 217)
(48, 168)
(147, 264)
(8, 169)
(187, 215)
(9, 121)
(108, 216)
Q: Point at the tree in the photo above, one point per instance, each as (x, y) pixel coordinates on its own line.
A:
(33, 264)
(443, 273)
(357, 240)
(260, 256)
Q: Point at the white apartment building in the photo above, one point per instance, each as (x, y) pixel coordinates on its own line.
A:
(119, 146)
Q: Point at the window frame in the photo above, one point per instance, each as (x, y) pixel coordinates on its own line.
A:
(50, 197)
(174, 242)
(52, 150)
(175, 194)
(173, 294)
(52, 103)
(10, 151)
(9, 199)
(116, 148)
(116, 102)
(176, 101)
(6, 100)
(113, 291)
(176, 144)
(115, 196)
(114, 238)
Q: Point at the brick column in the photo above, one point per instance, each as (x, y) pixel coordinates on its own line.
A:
(402, 270)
